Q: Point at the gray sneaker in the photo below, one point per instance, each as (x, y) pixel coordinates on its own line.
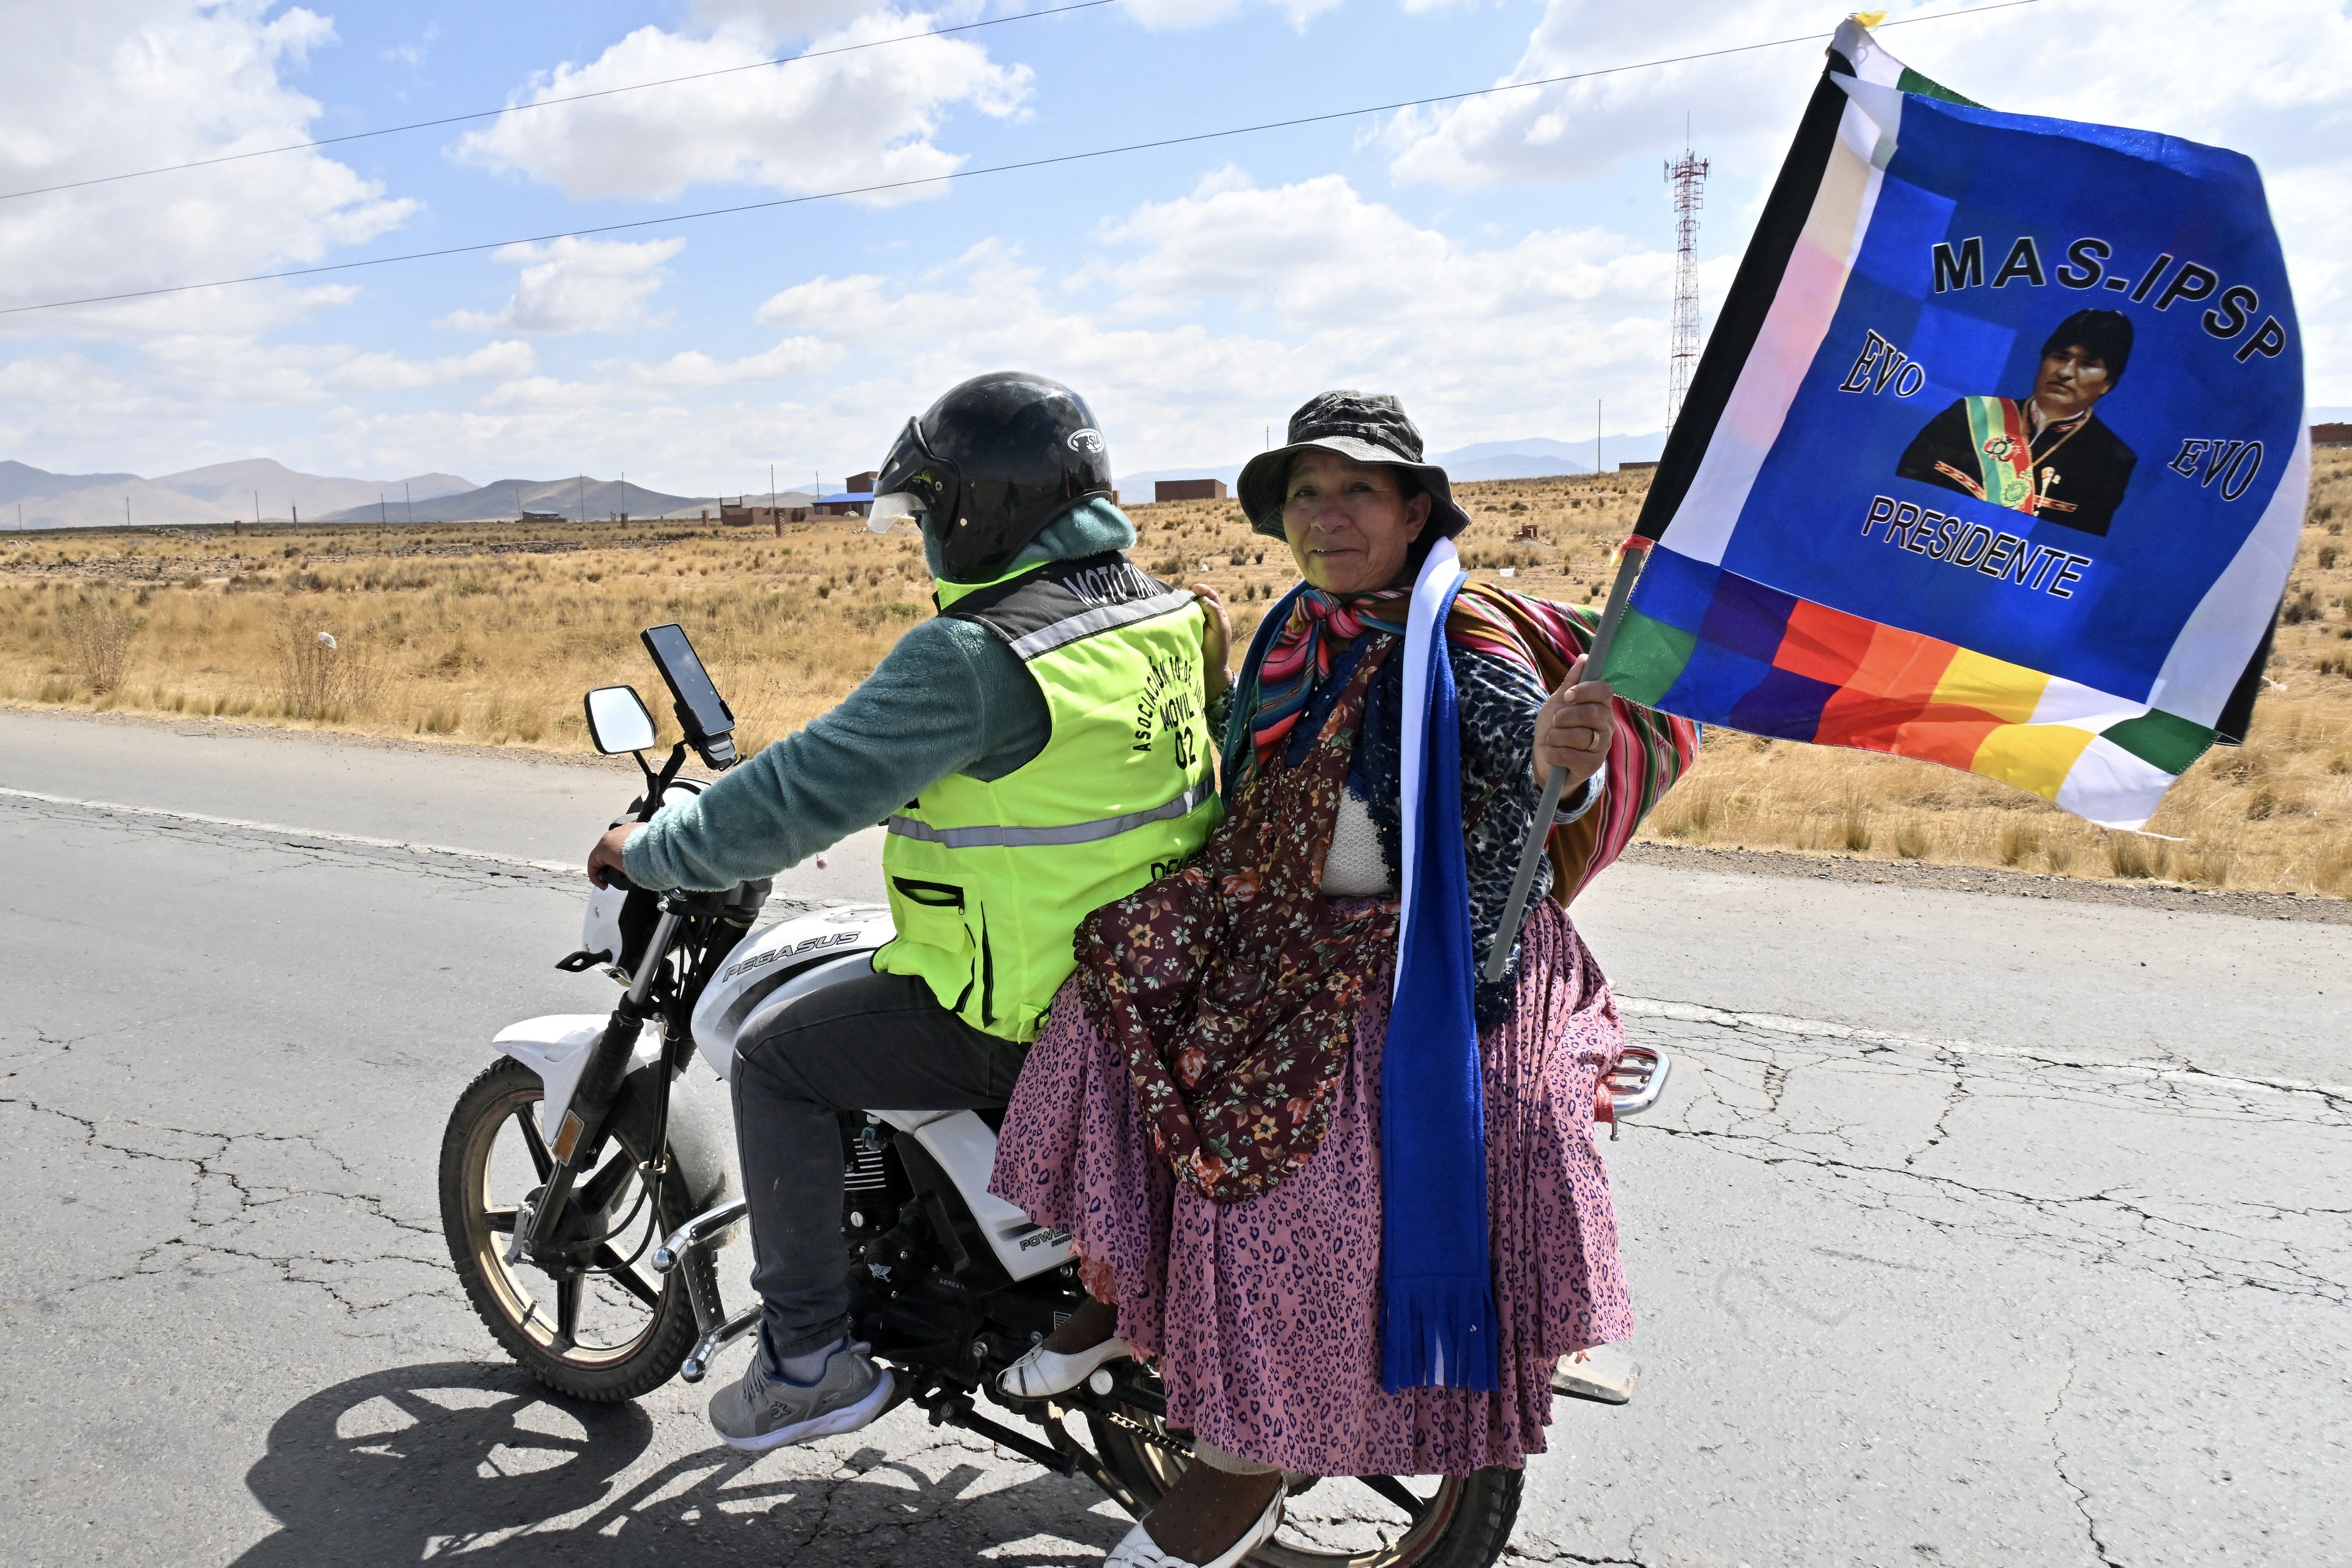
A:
(762, 1411)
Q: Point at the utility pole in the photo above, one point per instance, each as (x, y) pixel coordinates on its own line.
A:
(408, 505)
(295, 513)
(1686, 175)
(1596, 437)
(256, 509)
(126, 511)
(583, 498)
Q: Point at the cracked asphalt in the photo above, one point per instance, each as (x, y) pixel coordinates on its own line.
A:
(1972, 1229)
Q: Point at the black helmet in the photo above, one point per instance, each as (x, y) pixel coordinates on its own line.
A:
(993, 462)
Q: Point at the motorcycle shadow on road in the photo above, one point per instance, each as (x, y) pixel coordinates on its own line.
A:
(464, 1457)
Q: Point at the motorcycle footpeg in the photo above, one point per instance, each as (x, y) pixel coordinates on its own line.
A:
(699, 1231)
(697, 1361)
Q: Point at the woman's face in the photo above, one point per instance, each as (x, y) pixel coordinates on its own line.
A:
(1348, 523)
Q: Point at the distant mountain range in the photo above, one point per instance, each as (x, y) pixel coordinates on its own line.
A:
(579, 497)
(1526, 457)
(234, 486)
(221, 492)
(35, 498)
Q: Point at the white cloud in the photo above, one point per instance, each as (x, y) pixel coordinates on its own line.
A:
(98, 86)
(1167, 14)
(571, 285)
(1188, 325)
(776, 19)
(412, 55)
(693, 368)
(868, 118)
(499, 360)
(1326, 288)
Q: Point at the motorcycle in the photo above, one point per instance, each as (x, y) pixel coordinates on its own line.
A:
(585, 1204)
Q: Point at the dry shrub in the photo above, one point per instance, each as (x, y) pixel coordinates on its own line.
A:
(1688, 815)
(2135, 855)
(1913, 839)
(2020, 842)
(321, 677)
(1856, 836)
(98, 635)
(2207, 868)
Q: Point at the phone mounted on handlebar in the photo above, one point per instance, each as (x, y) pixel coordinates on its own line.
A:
(709, 723)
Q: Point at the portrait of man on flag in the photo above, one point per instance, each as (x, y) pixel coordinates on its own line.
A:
(2005, 451)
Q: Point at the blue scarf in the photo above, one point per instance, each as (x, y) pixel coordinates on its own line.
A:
(1438, 1327)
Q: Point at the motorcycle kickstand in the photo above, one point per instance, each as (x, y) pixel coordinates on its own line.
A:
(946, 1409)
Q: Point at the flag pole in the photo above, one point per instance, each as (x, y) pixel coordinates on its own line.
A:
(1596, 659)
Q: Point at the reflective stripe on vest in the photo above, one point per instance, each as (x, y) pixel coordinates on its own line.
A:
(1008, 835)
(1044, 639)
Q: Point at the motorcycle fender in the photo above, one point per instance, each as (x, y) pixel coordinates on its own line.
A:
(965, 1149)
(555, 1046)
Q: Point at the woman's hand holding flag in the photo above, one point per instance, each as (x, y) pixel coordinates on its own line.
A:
(1574, 727)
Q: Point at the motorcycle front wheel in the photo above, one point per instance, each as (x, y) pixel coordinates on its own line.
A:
(612, 1331)
(1337, 1521)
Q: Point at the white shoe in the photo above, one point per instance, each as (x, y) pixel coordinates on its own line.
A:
(1043, 1372)
(1138, 1550)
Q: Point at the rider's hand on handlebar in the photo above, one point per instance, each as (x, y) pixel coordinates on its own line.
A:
(605, 867)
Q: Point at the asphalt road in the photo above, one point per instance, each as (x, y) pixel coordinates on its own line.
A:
(1974, 1229)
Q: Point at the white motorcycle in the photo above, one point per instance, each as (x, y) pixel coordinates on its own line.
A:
(583, 1204)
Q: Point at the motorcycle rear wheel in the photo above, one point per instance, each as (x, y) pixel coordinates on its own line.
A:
(644, 1324)
(1339, 1522)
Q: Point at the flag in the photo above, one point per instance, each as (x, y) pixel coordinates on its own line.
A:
(1996, 456)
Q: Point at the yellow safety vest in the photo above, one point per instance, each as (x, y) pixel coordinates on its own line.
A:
(989, 880)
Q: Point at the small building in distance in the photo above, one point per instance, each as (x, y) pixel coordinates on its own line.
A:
(1188, 489)
(848, 503)
(735, 514)
(863, 481)
(1636, 467)
(2331, 435)
(529, 516)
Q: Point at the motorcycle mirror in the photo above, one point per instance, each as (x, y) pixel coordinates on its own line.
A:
(617, 720)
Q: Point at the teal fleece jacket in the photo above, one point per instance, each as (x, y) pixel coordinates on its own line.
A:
(947, 698)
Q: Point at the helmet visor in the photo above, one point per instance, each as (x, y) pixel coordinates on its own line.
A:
(913, 469)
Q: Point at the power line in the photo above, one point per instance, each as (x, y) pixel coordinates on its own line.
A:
(551, 102)
(971, 174)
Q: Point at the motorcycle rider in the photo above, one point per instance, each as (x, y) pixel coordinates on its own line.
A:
(1039, 749)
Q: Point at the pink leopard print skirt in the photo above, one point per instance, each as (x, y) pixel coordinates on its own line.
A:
(1263, 1314)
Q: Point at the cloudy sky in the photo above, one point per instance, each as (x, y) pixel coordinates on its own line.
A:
(1503, 262)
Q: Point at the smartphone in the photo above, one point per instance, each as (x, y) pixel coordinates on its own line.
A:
(703, 714)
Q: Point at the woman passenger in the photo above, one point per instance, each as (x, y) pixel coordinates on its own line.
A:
(1351, 1251)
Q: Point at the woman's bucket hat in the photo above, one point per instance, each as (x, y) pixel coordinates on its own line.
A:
(1371, 428)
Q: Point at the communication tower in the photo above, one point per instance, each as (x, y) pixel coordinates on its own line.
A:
(1687, 176)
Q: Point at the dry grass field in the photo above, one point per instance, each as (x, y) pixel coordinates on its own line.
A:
(488, 633)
